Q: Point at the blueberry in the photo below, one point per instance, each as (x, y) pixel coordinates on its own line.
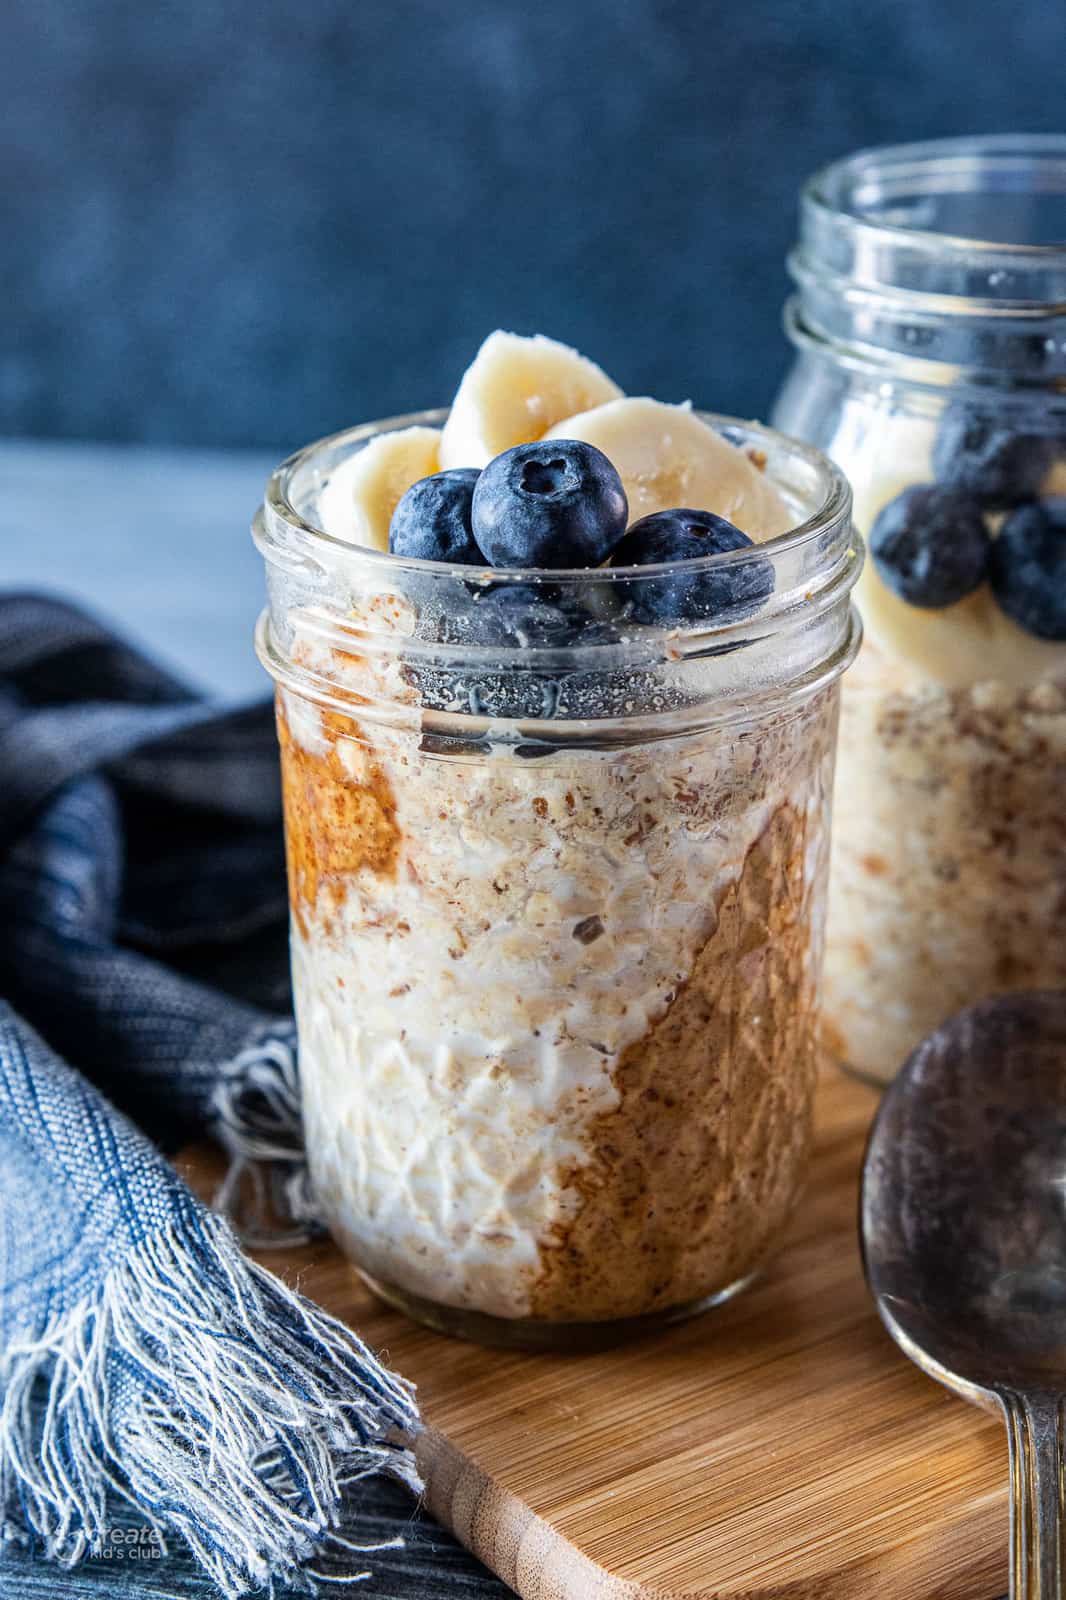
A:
(432, 521)
(687, 536)
(589, 630)
(559, 503)
(510, 614)
(1001, 468)
(1027, 568)
(518, 613)
(930, 545)
(499, 614)
(506, 617)
(511, 618)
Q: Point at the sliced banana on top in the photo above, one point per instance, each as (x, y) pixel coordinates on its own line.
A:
(514, 390)
(961, 645)
(358, 501)
(666, 457)
(970, 642)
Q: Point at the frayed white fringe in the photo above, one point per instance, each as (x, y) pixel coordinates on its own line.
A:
(256, 1116)
(217, 1401)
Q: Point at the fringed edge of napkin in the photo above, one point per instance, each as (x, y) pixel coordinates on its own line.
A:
(256, 1116)
(217, 1401)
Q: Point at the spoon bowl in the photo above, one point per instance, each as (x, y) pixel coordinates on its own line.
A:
(963, 1221)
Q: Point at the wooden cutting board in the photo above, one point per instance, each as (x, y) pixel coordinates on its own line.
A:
(778, 1446)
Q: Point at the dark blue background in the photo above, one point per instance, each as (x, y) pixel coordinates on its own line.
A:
(252, 221)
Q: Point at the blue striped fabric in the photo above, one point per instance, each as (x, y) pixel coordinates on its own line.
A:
(142, 917)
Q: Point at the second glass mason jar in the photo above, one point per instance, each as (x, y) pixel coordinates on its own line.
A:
(557, 906)
(930, 322)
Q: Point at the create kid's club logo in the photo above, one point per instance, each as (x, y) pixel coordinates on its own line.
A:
(132, 1544)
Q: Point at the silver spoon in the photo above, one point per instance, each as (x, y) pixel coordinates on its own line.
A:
(964, 1242)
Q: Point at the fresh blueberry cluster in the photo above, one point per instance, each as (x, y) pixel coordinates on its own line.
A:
(560, 504)
(933, 545)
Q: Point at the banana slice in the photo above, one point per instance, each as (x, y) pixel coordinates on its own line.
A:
(667, 457)
(358, 501)
(512, 393)
(970, 642)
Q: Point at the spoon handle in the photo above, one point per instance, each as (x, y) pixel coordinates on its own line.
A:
(1037, 1523)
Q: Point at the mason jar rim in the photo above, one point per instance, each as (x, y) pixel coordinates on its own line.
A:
(933, 265)
(835, 506)
(642, 676)
(832, 193)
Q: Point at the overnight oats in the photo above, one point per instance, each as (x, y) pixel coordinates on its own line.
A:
(932, 369)
(557, 701)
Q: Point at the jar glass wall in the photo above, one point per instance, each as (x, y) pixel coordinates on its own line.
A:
(557, 909)
(931, 341)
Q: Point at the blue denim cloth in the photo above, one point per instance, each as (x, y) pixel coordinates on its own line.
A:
(141, 918)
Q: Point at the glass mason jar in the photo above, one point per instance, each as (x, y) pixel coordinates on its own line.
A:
(557, 906)
(930, 324)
